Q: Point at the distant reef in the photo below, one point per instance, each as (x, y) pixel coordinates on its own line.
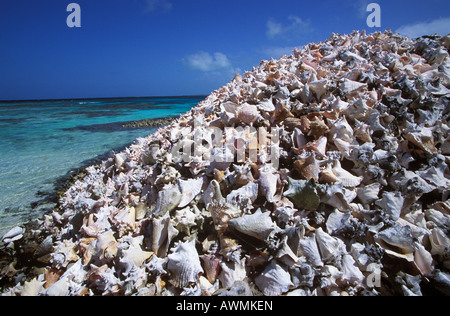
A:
(159, 122)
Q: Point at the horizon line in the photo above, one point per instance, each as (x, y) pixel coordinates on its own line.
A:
(104, 98)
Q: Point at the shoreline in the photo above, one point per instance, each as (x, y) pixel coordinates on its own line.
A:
(24, 254)
(62, 183)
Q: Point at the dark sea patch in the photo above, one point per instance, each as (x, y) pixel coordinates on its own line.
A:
(12, 121)
(118, 126)
(101, 128)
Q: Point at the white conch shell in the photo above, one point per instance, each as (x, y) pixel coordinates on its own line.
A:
(335, 221)
(436, 175)
(184, 264)
(275, 280)
(212, 194)
(286, 255)
(119, 160)
(162, 234)
(268, 185)
(168, 199)
(245, 195)
(105, 279)
(185, 219)
(421, 137)
(400, 238)
(32, 288)
(64, 254)
(423, 259)
(125, 220)
(243, 174)
(345, 177)
(330, 248)
(310, 250)
(266, 105)
(351, 274)
(319, 88)
(392, 204)
(189, 190)
(151, 156)
(439, 242)
(106, 246)
(298, 138)
(348, 86)
(247, 113)
(59, 288)
(232, 272)
(258, 225)
(340, 105)
(134, 256)
(341, 129)
(369, 193)
(14, 234)
(331, 277)
(168, 175)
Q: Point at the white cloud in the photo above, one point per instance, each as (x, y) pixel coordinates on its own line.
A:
(154, 5)
(361, 7)
(294, 30)
(206, 62)
(440, 26)
(273, 29)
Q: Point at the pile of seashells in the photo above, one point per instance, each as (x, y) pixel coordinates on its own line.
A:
(357, 204)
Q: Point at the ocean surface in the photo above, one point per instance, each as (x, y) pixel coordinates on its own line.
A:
(42, 141)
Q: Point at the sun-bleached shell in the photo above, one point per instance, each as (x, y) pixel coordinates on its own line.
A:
(310, 250)
(247, 113)
(258, 225)
(168, 199)
(268, 185)
(231, 273)
(275, 280)
(184, 264)
(189, 190)
(106, 246)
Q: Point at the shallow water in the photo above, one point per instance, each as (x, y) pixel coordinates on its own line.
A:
(41, 141)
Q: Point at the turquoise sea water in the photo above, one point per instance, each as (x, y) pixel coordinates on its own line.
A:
(41, 141)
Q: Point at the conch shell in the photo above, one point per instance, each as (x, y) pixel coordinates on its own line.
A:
(106, 246)
(247, 113)
(184, 264)
(222, 212)
(275, 280)
(189, 190)
(303, 194)
(168, 199)
(258, 225)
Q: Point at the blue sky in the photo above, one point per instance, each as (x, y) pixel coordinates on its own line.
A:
(128, 48)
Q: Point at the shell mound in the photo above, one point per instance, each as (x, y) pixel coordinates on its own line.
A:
(348, 195)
